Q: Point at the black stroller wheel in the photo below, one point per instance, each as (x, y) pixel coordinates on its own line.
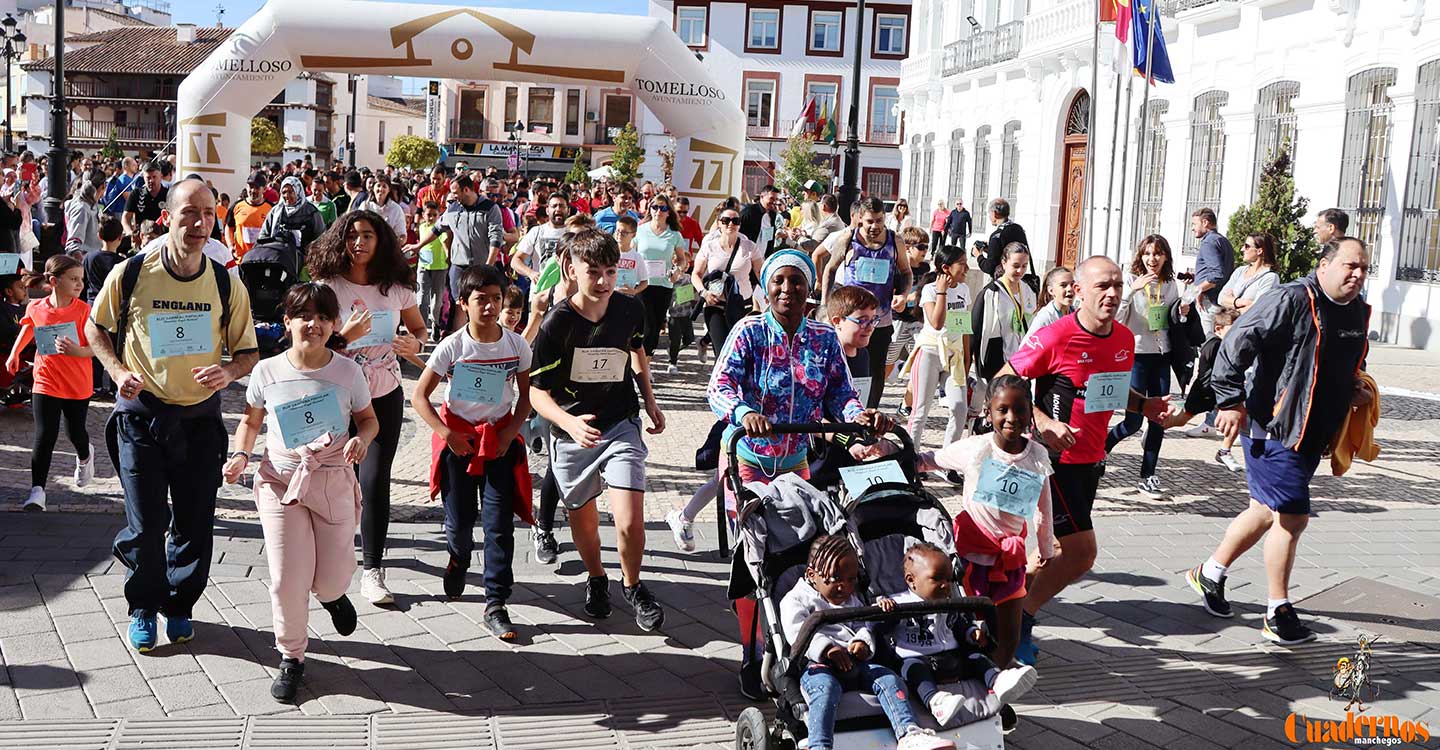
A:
(752, 731)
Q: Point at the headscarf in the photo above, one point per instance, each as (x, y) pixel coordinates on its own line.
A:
(791, 258)
(299, 187)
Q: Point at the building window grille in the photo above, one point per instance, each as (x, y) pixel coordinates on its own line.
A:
(1152, 181)
(981, 199)
(1207, 160)
(1420, 227)
(1365, 158)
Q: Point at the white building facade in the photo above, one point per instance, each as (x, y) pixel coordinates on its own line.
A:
(777, 54)
(1001, 108)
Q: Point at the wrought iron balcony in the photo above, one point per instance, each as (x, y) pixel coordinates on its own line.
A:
(984, 48)
(99, 130)
(1171, 7)
(472, 129)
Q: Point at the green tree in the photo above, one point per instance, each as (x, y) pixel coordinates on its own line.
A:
(265, 137)
(112, 151)
(798, 165)
(412, 152)
(625, 162)
(1280, 212)
(578, 172)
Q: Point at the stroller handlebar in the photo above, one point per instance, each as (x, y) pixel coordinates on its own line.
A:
(973, 604)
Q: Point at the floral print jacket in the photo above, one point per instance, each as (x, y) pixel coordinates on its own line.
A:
(787, 379)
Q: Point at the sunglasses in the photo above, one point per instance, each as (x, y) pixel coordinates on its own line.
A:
(728, 220)
(661, 208)
(863, 322)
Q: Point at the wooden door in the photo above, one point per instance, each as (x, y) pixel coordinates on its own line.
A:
(1072, 204)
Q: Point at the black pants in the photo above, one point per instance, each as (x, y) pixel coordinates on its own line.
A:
(936, 240)
(879, 347)
(549, 502)
(717, 327)
(48, 411)
(657, 306)
(682, 334)
(374, 475)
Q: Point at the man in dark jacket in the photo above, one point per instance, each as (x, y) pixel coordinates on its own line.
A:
(1006, 232)
(958, 226)
(1296, 402)
(757, 220)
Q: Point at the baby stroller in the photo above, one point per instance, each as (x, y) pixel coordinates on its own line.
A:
(268, 271)
(774, 538)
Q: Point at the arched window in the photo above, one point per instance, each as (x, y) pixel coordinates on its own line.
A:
(981, 198)
(1207, 159)
(1420, 232)
(914, 192)
(1366, 155)
(1152, 177)
(927, 175)
(957, 164)
(1077, 122)
(1010, 163)
(1275, 125)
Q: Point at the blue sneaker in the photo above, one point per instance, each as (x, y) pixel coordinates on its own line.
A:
(179, 629)
(143, 635)
(1026, 652)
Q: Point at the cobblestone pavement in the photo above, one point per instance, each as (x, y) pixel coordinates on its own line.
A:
(1128, 658)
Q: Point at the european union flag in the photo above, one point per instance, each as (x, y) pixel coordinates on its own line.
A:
(1141, 13)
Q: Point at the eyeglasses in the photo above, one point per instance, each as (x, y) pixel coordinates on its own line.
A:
(662, 208)
(728, 220)
(863, 322)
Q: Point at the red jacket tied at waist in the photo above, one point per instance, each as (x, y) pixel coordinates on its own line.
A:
(1009, 550)
(487, 447)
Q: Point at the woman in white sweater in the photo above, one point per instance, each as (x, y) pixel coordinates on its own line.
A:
(380, 202)
(1150, 290)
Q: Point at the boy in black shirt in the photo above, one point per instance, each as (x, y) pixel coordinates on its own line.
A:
(589, 357)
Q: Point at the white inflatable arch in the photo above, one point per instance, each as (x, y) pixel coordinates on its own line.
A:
(218, 99)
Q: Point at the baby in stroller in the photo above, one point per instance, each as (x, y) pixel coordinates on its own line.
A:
(839, 655)
(946, 647)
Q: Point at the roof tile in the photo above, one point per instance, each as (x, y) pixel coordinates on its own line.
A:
(148, 50)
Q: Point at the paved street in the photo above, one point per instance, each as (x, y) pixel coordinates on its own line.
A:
(1128, 658)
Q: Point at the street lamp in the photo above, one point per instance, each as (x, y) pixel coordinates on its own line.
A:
(13, 51)
(516, 142)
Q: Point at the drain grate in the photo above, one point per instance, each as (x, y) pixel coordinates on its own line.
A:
(180, 734)
(1381, 609)
(432, 732)
(294, 732)
(80, 734)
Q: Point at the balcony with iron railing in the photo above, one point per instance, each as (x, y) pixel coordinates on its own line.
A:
(984, 48)
(131, 132)
(147, 89)
(469, 129)
(1205, 9)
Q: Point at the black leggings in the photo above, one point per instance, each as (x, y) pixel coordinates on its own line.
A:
(374, 474)
(936, 240)
(682, 334)
(717, 327)
(549, 502)
(657, 306)
(48, 410)
(877, 350)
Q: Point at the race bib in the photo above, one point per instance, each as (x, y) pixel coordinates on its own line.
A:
(598, 364)
(251, 234)
(1158, 317)
(47, 336)
(1009, 488)
(862, 388)
(1107, 391)
(655, 271)
(382, 329)
(476, 383)
(684, 293)
(306, 419)
(9, 264)
(957, 322)
(857, 479)
(627, 278)
(180, 334)
(872, 270)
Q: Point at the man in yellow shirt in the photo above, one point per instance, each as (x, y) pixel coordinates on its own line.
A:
(172, 310)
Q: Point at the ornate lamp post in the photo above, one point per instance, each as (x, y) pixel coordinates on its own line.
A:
(13, 49)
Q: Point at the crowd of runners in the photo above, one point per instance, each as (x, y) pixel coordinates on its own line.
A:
(539, 308)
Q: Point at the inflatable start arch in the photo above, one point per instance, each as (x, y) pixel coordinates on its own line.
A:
(218, 99)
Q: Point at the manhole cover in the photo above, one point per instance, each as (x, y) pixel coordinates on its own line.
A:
(1380, 609)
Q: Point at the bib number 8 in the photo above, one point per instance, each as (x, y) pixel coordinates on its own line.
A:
(477, 383)
(179, 332)
(309, 418)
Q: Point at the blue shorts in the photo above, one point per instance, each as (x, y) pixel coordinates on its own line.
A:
(1279, 477)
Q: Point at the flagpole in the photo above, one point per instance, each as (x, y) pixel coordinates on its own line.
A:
(1110, 180)
(1087, 231)
(1125, 162)
(1144, 123)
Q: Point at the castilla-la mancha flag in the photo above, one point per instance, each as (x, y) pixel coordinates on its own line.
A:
(1118, 12)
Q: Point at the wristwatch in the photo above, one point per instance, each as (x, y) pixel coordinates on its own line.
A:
(237, 454)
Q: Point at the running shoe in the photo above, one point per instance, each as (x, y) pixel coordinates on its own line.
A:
(497, 621)
(179, 629)
(36, 501)
(1150, 487)
(1228, 461)
(943, 706)
(597, 597)
(546, 548)
(143, 633)
(454, 580)
(903, 411)
(672, 370)
(373, 588)
(923, 739)
(1026, 652)
(1212, 592)
(681, 529)
(648, 614)
(287, 683)
(85, 470)
(342, 614)
(1201, 430)
(954, 477)
(1284, 627)
(1011, 684)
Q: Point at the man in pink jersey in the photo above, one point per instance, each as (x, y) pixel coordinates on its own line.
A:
(1081, 366)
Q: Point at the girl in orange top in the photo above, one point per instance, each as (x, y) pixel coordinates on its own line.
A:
(63, 384)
